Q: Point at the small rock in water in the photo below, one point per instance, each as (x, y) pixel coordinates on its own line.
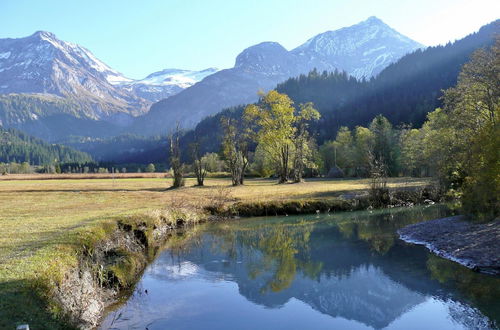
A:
(146, 291)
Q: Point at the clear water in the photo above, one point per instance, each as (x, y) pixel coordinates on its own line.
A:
(337, 271)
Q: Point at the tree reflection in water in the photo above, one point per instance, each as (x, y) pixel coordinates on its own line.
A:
(349, 266)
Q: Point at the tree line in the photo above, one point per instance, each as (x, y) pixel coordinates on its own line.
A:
(458, 144)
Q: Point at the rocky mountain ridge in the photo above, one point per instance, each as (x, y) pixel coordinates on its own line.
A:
(362, 50)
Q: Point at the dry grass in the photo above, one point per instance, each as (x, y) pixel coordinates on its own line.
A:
(79, 176)
(37, 217)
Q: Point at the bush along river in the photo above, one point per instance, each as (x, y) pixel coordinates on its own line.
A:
(345, 270)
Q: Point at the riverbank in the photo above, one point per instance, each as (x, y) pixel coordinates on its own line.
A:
(110, 259)
(473, 245)
(345, 201)
(59, 234)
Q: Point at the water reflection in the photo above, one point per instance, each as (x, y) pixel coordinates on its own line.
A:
(346, 270)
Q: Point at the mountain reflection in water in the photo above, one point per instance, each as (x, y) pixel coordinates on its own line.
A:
(344, 270)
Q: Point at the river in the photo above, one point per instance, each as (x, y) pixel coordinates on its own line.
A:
(330, 271)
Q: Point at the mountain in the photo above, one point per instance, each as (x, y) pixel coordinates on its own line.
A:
(51, 88)
(16, 146)
(125, 149)
(404, 92)
(163, 84)
(361, 50)
(54, 89)
(41, 63)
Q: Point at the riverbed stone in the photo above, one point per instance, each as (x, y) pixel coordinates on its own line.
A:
(474, 245)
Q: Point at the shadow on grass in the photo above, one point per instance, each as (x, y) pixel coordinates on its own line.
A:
(43, 239)
(19, 304)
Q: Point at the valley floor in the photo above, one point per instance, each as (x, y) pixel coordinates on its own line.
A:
(39, 218)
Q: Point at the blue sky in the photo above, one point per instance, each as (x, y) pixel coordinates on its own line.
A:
(140, 37)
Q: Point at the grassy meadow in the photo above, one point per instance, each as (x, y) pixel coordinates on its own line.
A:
(39, 218)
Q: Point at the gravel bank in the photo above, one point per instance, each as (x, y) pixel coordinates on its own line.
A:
(476, 246)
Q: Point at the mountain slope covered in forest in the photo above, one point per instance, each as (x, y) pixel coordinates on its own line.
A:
(16, 146)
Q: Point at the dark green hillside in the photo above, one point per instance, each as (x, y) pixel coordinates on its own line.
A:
(127, 148)
(16, 146)
(50, 117)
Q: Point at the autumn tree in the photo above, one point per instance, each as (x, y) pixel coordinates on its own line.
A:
(235, 150)
(175, 158)
(328, 152)
(344, 150)
(363, 144)
(413, 161)
(200, 165)
(213, 162)
(304, 145)
(150, 168)
(281, 132)
(385, 146)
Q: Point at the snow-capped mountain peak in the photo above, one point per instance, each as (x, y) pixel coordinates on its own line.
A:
(44, 34)
(363, 49)
(81, 55)
(42, 63)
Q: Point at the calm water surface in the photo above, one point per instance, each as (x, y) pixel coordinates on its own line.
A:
(337, 271)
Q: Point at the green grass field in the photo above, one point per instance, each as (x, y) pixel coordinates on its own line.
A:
(38, 218)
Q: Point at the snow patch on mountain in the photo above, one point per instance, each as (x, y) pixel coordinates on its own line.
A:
(181, 78)
(163, 84)
(117, 79)
(4, 55)
(363, 49)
